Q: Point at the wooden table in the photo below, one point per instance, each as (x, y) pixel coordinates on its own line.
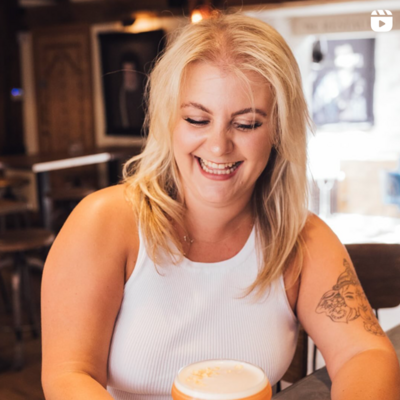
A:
(317, 386)
(42, 165)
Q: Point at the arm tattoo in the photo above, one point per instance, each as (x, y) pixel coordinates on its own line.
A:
(347, 302)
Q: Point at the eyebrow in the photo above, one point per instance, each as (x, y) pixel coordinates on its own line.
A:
(240, 112)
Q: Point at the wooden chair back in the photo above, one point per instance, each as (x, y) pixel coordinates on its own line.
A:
(298, 368)
(378, 269)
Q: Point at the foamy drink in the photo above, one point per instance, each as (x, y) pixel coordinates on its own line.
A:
(221, 380)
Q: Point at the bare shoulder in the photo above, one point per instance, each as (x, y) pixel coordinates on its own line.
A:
(320, 243)
(107, 209)
(105, 203)
(104, 220)
(316, 230)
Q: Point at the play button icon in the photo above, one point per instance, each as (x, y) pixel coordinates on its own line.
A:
(381, 21)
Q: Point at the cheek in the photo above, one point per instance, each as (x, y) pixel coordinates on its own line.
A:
(351, 303)
(259, 151)
(183, 139)
(264, 155)
(178, 142)
(184, 144)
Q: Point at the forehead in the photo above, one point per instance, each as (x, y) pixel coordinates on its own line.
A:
(215, 83)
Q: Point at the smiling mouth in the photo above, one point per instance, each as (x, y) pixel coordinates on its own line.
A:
(217, 169)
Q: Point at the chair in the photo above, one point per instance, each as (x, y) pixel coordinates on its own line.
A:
(66, 198)
(10, 208)
(14, 245)
(8, 183)
(378, 269)
(15, 208)
(298, 368)
(70, 194)
(9, 187)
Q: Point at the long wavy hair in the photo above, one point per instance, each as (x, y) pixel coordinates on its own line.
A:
(279, 202)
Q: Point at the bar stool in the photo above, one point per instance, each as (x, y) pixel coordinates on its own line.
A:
(14, 245)
(11, 182)
(12, 207)
(7, 184)
(16, 209)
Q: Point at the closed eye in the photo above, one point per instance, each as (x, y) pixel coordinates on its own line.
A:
(197, 121)
(242, 127)
(247, 127)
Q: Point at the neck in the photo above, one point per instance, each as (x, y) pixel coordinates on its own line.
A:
(212, 223)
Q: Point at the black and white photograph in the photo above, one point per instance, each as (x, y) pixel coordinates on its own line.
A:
(343, 86)
(126, 61)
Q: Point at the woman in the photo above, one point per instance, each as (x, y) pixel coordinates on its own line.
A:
(207, 250)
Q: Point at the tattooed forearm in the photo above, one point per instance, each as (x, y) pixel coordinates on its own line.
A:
(347, 302)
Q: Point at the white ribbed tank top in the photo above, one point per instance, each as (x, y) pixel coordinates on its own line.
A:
(193, 312)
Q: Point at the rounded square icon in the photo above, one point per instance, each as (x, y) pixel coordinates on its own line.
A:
(381, 21)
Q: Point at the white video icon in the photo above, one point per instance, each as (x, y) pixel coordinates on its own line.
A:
(381, 21)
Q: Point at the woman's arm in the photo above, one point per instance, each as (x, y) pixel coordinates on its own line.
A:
(371, 374)
(334, 311)
(82, 290)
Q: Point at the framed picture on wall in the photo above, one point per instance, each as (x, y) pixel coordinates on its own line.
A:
(343, 82)
(126, 60)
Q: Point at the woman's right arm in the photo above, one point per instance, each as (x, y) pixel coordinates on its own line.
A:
(82, 290)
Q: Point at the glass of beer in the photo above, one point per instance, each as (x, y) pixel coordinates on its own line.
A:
(221, 380)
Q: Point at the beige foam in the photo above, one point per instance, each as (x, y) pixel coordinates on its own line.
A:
(221, 379)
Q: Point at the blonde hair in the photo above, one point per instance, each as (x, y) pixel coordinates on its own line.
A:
(279, 200)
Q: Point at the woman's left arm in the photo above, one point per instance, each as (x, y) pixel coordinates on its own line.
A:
(333, 309)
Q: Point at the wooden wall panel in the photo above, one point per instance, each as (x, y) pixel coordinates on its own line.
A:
(11, 128)
(63, 71)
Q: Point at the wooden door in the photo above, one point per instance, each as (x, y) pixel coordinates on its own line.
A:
(63, 75)
(63, 71)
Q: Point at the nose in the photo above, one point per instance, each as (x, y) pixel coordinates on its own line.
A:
(220, 141)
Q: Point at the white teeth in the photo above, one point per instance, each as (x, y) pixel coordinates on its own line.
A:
(218, 169)
(216, 166)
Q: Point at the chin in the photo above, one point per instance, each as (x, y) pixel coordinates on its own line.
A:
(215, 198)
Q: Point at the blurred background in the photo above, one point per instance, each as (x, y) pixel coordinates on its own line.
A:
(72, 74)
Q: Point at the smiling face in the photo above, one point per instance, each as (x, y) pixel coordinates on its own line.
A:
(222, 138)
